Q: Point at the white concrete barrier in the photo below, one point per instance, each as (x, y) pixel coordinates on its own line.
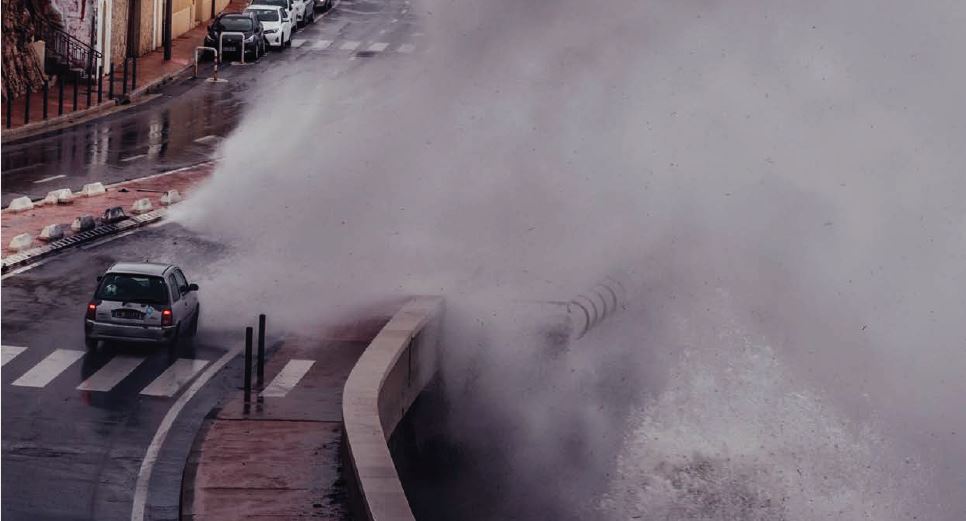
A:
(141, 206)
(61, 196)
(20, 242)
(83, 223)
(171, 197)
(382, 386)
(92, 189)
(21, 204)
(51, 232)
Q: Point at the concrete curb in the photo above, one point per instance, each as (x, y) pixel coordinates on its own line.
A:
(35, 254)
(383, 384)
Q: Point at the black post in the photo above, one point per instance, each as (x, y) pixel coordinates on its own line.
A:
(124, 84)
(167, 29)
(261, 352)
(248, 364)
(46, 96)
(134, 72)
(90, 89)
(75, 94)
(110, 82)
(9, 108)
(26, 110)
(100, 84)
(60, 95)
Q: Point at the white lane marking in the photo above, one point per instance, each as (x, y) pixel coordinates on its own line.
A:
(207, 139)
(132, 158)
(175, 376)
(298, 42)
(383, 31)
(394, 20)
(8, 353)
(350, 46)
(287, 378)
(407, 48)
(406, 10)
(49, 179)
(48, 368)
(321, 45)
(378, 47)
(111, 374)
(151, 455)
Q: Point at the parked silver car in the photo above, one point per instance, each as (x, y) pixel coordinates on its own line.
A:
(142, 302)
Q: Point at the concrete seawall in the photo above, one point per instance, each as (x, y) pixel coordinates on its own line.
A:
(390, 374)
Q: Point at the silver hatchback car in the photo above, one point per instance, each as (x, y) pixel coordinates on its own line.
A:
(142, 302)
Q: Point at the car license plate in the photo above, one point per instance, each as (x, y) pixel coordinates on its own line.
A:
(230, 48)
(128, 313)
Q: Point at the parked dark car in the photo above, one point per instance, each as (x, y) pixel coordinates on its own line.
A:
(245, 23)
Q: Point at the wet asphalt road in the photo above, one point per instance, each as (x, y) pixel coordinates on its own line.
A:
(181, 126)
(71, 454)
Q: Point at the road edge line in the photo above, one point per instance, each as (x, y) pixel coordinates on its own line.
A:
(139, 501)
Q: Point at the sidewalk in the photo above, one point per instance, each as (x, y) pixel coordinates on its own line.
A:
(280, 458)
(152, 72)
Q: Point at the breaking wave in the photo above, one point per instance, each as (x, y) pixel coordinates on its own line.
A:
(734, 438)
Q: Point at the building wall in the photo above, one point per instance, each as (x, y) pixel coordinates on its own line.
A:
(119, 30)
(77, 16)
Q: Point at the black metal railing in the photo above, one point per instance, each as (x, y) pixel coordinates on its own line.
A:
(70, 51)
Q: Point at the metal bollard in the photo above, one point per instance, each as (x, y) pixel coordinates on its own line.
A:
(90, 89)
(124, 83)
(100, 84)
(9, 108)
(46, 97)
(110, 82)
(60, 96)
(26, 110)
(261, 352)
(248, 364)
(74, 107)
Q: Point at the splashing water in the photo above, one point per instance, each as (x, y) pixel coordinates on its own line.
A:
(734, 438)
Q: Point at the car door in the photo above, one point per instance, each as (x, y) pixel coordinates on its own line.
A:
(179, 308)
(190, 298)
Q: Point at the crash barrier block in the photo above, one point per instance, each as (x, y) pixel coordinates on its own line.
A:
(83, 223)
(60, 196)
(20, 242)
(113, 215)
(171, 197)
(392, 371)
(141, 206)
(21, 204)
(590, 308)
(92, 189)
(51, 232)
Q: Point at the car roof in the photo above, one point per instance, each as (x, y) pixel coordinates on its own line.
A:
(140, 268)
(264, 6)
(236, 15)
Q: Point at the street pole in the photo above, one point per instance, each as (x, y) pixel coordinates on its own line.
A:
(167, 29)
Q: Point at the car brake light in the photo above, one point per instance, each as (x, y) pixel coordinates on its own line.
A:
(166, 318)
(91, 310)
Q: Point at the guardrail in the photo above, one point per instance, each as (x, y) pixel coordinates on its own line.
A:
(395, 367)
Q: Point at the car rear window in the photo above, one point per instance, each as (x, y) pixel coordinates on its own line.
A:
(123, 287)
(235, 24)
(265, 15)
(280, 3)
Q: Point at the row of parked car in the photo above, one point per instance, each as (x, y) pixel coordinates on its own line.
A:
(263, 24)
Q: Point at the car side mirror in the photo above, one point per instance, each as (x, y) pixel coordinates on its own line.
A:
(192, 287)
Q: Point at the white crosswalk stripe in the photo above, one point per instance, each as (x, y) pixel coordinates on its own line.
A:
(111, 374)
(174, 377)
(378, 47)
(8, 353)
(406, 48)
(287, 378)
(321, 45)
(48, 368)
(298, 42)
(350, 46)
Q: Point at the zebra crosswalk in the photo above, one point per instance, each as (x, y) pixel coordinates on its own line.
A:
(176, 375)
(352, 46)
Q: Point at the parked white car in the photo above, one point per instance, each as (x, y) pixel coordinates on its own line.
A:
(276, 24)
(304, 11)
(288, 5)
